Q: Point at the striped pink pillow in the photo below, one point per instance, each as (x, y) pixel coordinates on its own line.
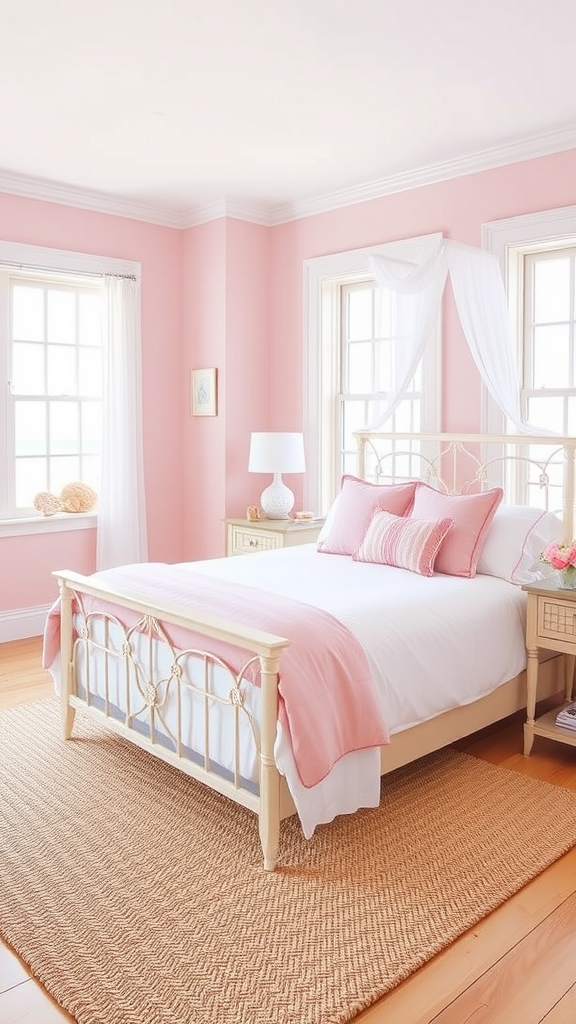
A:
(357, 502)
(406, 543)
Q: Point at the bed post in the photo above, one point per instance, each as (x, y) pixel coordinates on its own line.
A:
(67, 712)
(269, 816)
(569, 493)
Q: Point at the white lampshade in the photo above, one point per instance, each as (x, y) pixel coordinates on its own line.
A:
(276, 452)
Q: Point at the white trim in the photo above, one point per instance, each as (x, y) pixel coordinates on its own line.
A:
(65, 260)
(508, 239)
(85, 199)
(431, 174)
(60, 523)
(252, 213)
(273, 215)
(541, 228)
(204, 214)
(23, 623)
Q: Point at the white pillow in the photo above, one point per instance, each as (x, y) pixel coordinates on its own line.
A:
(515, 540)
(329, 521)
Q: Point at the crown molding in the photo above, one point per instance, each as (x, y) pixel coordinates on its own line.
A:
(273, 216)
(484, 160)
(84, 199)
(251, 212)
(198, 215)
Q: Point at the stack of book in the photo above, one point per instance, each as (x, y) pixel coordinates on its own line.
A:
(567, 717)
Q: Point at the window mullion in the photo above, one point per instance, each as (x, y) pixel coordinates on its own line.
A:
(6, 404)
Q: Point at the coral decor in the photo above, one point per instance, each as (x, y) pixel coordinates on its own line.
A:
(75, 497)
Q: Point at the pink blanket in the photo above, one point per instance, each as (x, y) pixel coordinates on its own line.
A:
(328, 701)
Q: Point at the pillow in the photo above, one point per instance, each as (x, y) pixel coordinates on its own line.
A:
(329, 521)
(472, 515)
(356, 504)
(515, 540)
(407, 543)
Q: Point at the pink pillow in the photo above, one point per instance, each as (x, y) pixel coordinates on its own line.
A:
(357, 503)
(407, 543)
(472, 515)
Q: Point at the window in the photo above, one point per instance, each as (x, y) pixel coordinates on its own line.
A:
(349, 352)
(548, 356)
(537, 255)
(52, 346)
(366, 357)
(52, 338)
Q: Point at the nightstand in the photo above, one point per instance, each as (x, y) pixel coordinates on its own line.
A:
(550, 624)
(244, 537)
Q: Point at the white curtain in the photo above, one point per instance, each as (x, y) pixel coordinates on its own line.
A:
(416, 274)
(122, 534)
(418, 279)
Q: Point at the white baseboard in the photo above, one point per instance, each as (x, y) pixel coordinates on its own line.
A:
(22, 623)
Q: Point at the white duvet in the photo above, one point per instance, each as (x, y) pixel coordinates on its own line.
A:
(433, 643)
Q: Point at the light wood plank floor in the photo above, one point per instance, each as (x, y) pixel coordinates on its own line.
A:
(517, 966)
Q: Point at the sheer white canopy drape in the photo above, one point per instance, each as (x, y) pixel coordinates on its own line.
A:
(418, 278)
(121, 534)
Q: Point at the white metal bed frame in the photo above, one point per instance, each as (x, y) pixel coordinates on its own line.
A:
(192, 669)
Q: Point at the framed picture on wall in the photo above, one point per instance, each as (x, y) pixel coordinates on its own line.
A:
(203, 390)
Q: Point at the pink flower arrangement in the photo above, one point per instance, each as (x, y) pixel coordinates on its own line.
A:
(560, 556)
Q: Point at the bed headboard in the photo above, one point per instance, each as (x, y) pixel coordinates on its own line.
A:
(532, 469)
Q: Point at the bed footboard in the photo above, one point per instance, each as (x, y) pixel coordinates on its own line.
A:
(186, 706)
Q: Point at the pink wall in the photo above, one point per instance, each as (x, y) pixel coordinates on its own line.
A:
(248, 401)
(226, 325)
(229, 294)
(26, 564)
(204, 344)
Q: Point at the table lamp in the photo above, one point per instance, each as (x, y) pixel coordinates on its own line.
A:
(276, 453)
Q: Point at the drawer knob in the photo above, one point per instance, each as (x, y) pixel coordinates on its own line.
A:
(253, 543)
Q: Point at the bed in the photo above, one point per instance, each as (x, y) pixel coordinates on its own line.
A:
(292, 680)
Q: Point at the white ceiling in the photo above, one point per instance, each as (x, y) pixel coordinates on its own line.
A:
(171, 108)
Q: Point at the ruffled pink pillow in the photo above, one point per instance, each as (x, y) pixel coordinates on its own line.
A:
(407, 543)
(357, 503)
(472, 515)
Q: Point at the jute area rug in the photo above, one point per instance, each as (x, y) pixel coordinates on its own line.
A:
(137, 896)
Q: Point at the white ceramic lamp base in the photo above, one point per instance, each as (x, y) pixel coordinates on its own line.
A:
(277, 500)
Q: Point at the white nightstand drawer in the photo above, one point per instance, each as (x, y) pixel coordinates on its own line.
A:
(556, 619)
(245, 537)
(246, 541)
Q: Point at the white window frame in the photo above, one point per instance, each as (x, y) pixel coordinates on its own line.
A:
(40, 258)
(320, 316)
(510, 239)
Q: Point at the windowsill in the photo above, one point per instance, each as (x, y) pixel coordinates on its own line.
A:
(62, 522)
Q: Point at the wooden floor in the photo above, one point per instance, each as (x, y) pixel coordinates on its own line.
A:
(518, 966)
